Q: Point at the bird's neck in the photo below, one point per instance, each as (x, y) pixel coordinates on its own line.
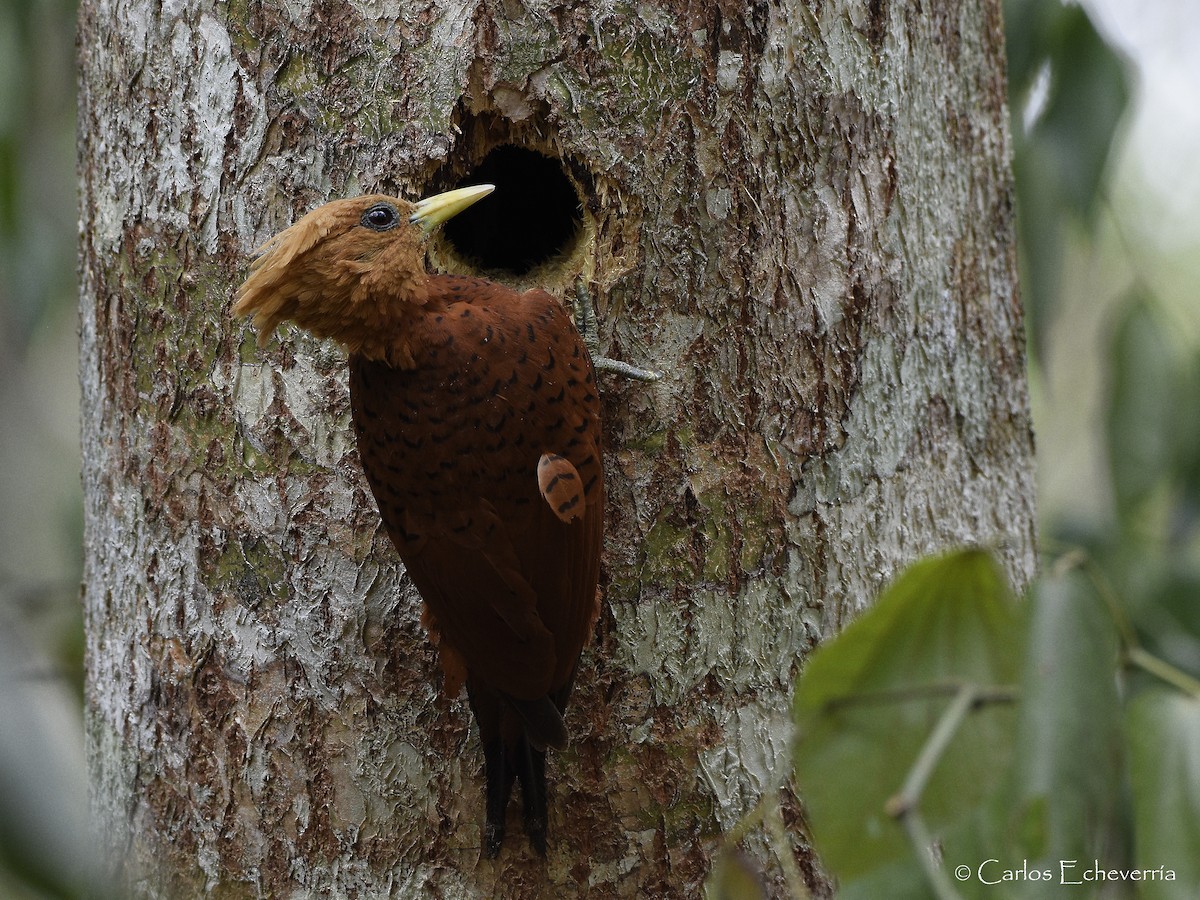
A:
(391, 345)
(391, 338)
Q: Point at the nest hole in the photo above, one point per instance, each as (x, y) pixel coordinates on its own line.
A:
(533, 217)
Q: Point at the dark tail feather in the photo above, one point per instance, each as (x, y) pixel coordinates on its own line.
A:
(501, 767)
(489, 710)
(515, 734)
(499, 777)
(531, 771)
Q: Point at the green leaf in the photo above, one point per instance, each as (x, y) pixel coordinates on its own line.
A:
(1187, 437)
(1060, 160)
(901, 879)
(1068, 781)
(1164, 762)
(1026, 26)
(734, 878)
(1089, 90)
(864, 708)
(1042, 237)
(1141, 405)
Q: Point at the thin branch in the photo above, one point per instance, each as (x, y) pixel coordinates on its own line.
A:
(616, 367)
(782, 846)
(766, 813)
(1163, 670)
(1112, 600)
(903, 806)
(984, 696)
(1132, 650)
(922, 841)
(903, 803)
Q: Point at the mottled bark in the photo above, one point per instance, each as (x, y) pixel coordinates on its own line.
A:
(802, 214)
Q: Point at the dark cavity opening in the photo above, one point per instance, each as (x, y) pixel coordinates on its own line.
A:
(533, 216)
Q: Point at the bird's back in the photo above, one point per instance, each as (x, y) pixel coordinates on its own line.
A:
(451, 449)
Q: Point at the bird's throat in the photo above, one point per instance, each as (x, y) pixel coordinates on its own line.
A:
(391, 346)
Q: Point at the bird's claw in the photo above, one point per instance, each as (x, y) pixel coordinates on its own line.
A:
(586, 325)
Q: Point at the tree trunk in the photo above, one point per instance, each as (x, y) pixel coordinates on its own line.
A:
(802, 214)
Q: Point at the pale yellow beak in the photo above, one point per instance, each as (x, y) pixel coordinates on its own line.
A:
(433, 211)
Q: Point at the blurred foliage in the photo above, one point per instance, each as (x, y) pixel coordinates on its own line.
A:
(38, 211)
(1152, 419)
(1068, 90)
(734, 877)
(867, 701)
(909, 767)
(45, 847)
(1106, 768)
(956, 742)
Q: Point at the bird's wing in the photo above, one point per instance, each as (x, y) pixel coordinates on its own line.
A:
(485, 608)
(451, 450)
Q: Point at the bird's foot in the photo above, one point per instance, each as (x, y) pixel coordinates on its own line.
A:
(585, 323)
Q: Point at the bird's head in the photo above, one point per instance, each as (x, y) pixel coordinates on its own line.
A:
(351, 270)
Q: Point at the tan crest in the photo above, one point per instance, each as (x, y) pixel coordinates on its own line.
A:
(276, 286)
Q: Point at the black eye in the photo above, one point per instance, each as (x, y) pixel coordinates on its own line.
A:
(381, 217)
